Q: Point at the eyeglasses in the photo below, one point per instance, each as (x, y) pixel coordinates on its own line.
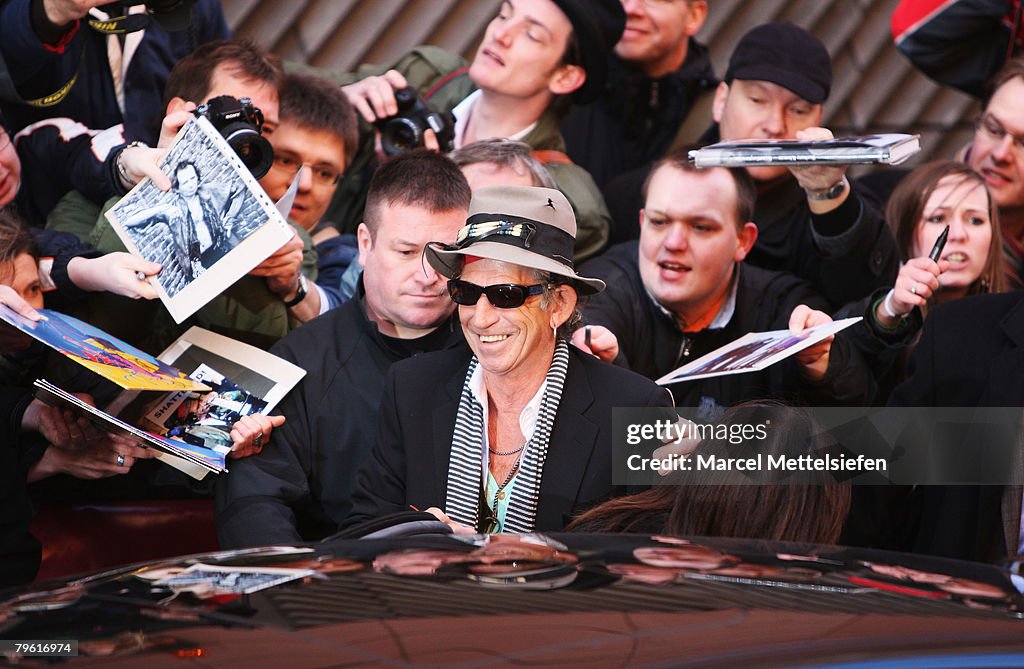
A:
(5, 139)
(500, 295)
(323, 175)
(988, 125)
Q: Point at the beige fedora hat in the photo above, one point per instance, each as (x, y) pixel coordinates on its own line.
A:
(523, 225)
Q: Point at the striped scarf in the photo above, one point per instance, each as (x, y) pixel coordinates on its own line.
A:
(465, 463)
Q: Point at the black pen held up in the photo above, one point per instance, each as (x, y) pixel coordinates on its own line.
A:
(940, 244)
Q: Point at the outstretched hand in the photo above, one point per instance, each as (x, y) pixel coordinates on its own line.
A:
(813, 360)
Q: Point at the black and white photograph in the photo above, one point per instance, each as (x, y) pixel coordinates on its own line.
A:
(214, 225)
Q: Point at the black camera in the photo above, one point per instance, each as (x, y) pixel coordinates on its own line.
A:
(404, 130)
(241, 124)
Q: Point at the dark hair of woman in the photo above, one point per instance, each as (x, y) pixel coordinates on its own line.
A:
(718, 504)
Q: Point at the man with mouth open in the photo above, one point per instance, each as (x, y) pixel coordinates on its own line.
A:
(997, 153)
(300, 487)
(684, 290)
(535, 57)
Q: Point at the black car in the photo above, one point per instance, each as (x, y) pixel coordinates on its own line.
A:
(527, 600)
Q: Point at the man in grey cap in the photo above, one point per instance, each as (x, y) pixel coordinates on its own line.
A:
(516, 434)
(811, 221)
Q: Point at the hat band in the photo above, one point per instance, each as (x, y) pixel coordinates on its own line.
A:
(524, 233)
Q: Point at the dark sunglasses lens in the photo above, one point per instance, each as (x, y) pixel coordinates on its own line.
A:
(506, 296)
(463, 292)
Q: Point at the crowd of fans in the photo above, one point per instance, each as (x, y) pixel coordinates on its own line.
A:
(468, 313)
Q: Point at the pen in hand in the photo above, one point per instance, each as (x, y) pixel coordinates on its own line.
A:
(940, 244)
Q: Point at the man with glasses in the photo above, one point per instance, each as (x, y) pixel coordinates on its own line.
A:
(10, 168)
(317, 134)
(997, 153)
(300, 487)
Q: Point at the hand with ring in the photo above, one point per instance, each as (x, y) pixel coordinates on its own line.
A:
(252, 433)
(916, 283)
(114, 455)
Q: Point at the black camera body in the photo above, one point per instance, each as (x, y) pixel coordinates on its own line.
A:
(241, 124)
(404, 130)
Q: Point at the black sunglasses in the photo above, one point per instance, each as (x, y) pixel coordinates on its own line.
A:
(500, 295)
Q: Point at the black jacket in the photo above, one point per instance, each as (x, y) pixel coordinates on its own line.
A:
(971, 354)
(300, 487)
(19, 550)
(634, 122)
(652, 344)
(845, 254)
(409, 465)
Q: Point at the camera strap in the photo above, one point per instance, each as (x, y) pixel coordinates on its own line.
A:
(118, 25)
(58, 95)
(121, 25)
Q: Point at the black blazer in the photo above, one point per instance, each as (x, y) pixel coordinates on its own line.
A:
(409, 465)
(971, 353)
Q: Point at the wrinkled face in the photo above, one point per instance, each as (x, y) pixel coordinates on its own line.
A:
(23, 276)
(482, 175)
(522, 48)
(10, 169)
(657, 32)
(515, 342)
(762, 110)
(963, 205)
(689, 242)
(322, 156)
(188, 180)
(404, 295)
(1001, 159)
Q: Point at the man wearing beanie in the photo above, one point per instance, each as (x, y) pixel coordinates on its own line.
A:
(811, 221)
(536, 57)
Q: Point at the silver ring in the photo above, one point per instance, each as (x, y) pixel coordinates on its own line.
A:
(120, 460)
(913, 289)
(257, 441)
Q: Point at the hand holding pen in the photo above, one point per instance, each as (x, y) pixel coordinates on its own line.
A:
(917, 282)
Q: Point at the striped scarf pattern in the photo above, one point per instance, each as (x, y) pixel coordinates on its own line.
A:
(465, 463)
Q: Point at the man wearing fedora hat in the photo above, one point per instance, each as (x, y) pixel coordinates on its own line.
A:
(535, 58)
(811, 222)
(514, 435)
(300, 487)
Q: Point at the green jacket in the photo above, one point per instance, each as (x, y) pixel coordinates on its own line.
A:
(442, 80)
(247, 310)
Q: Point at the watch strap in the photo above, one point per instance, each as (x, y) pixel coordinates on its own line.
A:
(300, 294)
(830, 193)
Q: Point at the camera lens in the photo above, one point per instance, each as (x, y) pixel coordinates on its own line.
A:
(254, 150)
(400, 134)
